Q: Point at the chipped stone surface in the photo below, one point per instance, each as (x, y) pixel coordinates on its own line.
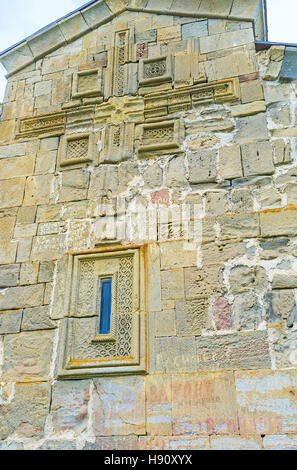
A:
(247, 350)
(26, 356)
(167, 106)
(204, 404)
(119, 406)
(70, 406)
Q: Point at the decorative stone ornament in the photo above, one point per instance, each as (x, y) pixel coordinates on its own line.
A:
(77, 150)
(121, 349)
(155, 71)
(160, 138)
(87, 83)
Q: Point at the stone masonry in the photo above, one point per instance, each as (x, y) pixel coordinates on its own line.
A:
(151, 143)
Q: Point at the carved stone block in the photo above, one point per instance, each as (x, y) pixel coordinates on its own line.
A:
(118, 143)
(52, 124)
(84, 351)
(160, 138)
(154, 71)
(76, 150)
(87, 83)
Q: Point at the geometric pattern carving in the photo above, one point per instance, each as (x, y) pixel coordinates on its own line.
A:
(121, 57)
(44, 125)
(83, 351)
(155, 71)
(167, 102)
(76, 150)
(87, 83)
(161, 138)
(118, 142)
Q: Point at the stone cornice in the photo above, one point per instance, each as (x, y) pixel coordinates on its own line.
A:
(94, 14)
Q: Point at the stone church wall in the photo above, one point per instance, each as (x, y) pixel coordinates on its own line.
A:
(158, 148)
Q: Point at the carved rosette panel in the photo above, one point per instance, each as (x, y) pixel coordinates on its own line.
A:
(160, 138)
(155, 70)
(118, 142)
(82, 348)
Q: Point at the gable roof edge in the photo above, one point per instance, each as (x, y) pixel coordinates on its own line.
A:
(98, 12)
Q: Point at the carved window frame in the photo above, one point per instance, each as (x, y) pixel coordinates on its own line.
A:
(97, 91)
(69, 366)
(69, 163)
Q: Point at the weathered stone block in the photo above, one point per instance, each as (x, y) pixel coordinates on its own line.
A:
(266, 401)
(48, 247)
(177, 254)
(14, 298)
(249, 350)
(284, 281)
(282, 308)
(248, 109)
(37, 318)
(176, 174)
(204, 404)
(165, 323)
(251, 128)
(11, 192)
(9, 275)
(27, 413)
(46, 271)
(230, 162)
(235, 443)
(113, 443)
(243, 278)
(251, 91)
(279, 222)
(202, 167)
(159, 404)
(225, 40)
(288, 69)
(280, 442)
(216, 203)
(202, 282)
(192, 316)
(10, 321)
(194, 30)
(27, 356)
(239, 226)
(172, 283)
(269, 198)
(17, 166)
(69, 407)
(29, 273)
(119, 406)
(257, 159)
(38, 190)
(26, 215)
(169, 33)
(247, 311)
(223, 251)
(222, 314)
(175, 354)
(242, 200)
(173, 443)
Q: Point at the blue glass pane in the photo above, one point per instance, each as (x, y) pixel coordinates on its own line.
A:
(105, 307)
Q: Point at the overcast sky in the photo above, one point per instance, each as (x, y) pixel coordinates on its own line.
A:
(20, 18)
